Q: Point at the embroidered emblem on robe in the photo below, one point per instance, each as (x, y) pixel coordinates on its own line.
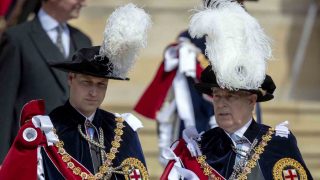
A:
(289, 169)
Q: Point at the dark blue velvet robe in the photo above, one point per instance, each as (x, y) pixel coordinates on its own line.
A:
(216, 145)
(66, 119)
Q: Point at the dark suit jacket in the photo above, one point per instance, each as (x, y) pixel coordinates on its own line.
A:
(25, 53)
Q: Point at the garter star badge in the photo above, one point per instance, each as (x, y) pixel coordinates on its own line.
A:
(136, 168)
(289, 169)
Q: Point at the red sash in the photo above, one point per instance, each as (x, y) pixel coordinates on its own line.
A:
(189, 163)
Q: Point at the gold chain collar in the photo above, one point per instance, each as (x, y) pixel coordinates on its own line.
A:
(99, 144)
(258, 150)
(105, 168)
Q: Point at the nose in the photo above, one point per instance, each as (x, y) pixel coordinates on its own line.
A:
(93, 91)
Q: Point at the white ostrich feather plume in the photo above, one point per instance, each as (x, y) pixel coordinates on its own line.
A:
(236, 45)
(125, 34)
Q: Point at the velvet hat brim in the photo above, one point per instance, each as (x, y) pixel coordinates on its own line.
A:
(87, 61)
(208, 81)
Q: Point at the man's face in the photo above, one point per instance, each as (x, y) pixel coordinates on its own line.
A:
(68, 9)
(86, 92)
(233, 109)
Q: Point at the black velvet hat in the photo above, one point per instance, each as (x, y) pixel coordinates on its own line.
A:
(88, 61)
(208, 81)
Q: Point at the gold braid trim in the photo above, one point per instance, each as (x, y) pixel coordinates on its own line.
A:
(207, 169)
(105, 168)
(258, 150)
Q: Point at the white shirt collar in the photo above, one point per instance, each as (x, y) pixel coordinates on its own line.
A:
(240, 132)
(47, 22)
(90, 118)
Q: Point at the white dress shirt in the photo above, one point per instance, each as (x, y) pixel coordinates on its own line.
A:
(49, 24)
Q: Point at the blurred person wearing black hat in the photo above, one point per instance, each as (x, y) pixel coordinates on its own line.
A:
(171, 98)
(78, 140)
(25, 53)
(239, 148)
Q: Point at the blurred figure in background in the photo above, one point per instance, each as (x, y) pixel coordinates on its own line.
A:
(171, 98)
(14, 12)
(25, 52)
(4, 7)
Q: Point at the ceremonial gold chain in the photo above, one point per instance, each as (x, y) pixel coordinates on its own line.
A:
(99, 144)
(106, 167)
(258, 150)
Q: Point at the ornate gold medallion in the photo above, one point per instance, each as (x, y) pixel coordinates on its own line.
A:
(137, 168)
(288, 168)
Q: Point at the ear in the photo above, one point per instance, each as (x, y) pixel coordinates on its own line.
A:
(253, 99)
(71, 76)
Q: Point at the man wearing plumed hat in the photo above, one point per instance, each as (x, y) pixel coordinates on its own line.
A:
(238, 148)
(78, 140)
